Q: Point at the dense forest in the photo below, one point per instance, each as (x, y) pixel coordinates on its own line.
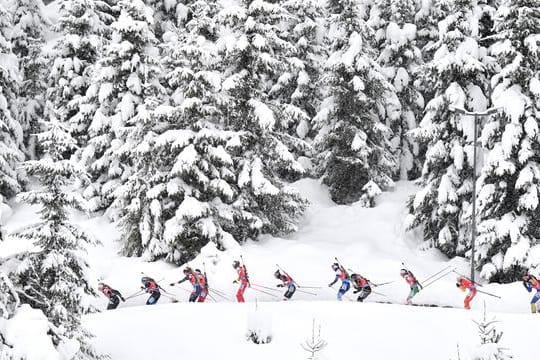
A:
(185, 122)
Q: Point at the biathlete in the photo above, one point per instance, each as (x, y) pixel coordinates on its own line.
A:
(342, 275)
(243, 279)
(361, 286)
(531, 283)
(150, 286)
(189, 275)
(113, 295)
(413, 283)
(286, 281)
(466, 284)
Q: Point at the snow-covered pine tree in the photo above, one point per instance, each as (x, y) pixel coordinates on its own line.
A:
(315, 343)
(508, 204)
(28, 38)
(252, 63)
(400, 58)
(457, 74)
(168, 14)
(489, 348)
(11, 135)
(122, 80)
(352, 137)
(296, 90)
(192, 197)
(486, 12)
(9, 301)
(82, 29)
(54, 278)
(427, 18)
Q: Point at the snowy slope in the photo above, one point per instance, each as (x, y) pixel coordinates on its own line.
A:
(353, 331)
(371, 241)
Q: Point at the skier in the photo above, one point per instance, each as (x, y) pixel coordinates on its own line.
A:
(151, 287)
(413, 283)
(190, 275)
(203, 284)
(286, 281)
(243, 279)
(342, 275)
(531, 282)
(113, 295)
(362, 286)
(466, 284)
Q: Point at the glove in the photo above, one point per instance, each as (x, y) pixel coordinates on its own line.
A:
(235, 282)
(330, 285)
(279, 285)
(122, 299)
(143, 288)
(171, 284)
(356, 291)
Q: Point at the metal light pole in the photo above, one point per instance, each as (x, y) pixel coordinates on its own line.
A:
(477, 115)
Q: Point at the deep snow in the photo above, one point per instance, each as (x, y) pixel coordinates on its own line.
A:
(371, 241)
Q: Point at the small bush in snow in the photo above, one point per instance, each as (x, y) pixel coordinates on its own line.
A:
(259, 327)
(314, 344)
(489, 348)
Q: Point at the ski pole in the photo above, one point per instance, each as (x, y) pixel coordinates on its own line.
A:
(266, 287)
(384, 283)
(264, 292)
(218, 291)
(210, 296)
(186, 290)
(165, 291)
(138, 293)
(306, 292)
(174, 299)
(218, 294)
(484, 292)
(378, 293)
(437, 273)
(310, 287)
(436, 279)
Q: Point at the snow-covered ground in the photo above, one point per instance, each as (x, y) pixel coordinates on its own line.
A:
(373, 242)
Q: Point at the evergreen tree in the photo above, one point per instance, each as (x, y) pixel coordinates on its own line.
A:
(82, 28)
(168, 14)
(193, 191)
(55, 277)
(400, 58)
(9, 301)
(508, 205)
(427, 19)
(123, 79)
(10, 130)
(489, 348)
(352, 136)
(252, 64)
(457, 74)
(296, 90)
(27, 36)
